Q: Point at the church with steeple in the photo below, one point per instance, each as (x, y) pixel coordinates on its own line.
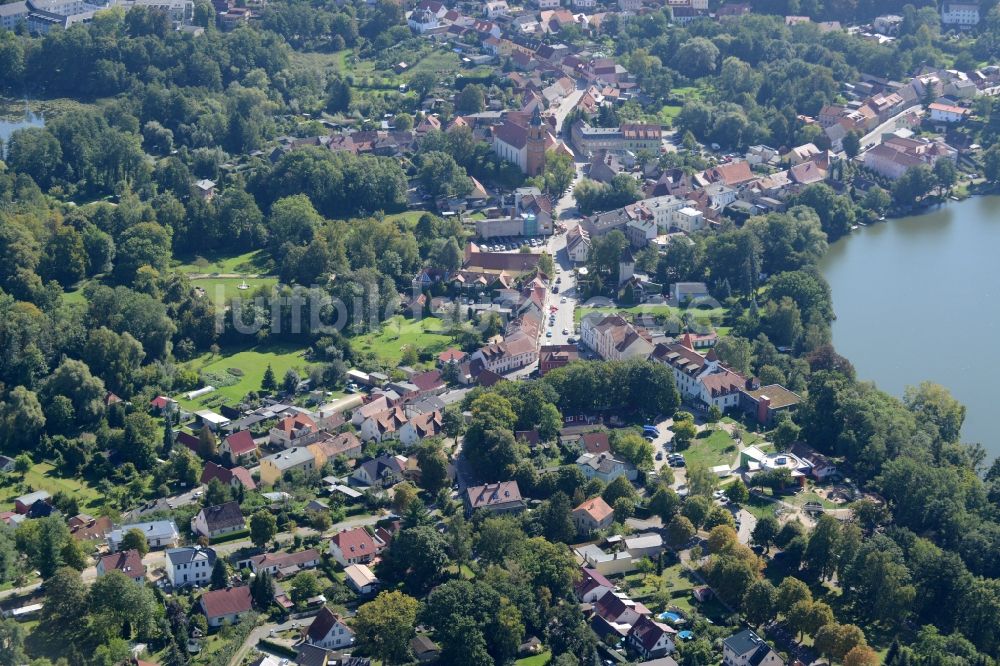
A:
(522, 139)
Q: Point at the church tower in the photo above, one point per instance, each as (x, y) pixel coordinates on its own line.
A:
(535, 145)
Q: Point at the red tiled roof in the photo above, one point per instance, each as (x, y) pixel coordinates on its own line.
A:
(241, 442)
(128, 562)
(597, 509)
(354, 542)
(218, 603)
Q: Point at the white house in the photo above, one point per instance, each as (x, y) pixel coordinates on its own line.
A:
(688, 219)
(191, 565)
(614, 339)
(701, 379)
(651, 639)
(353, 546)
(962, 15)
(495, 8)
(605, 467)
(947, 113)
(748, 649)
(578, 245)
(361, 578)
(158, 533)
(329, 631)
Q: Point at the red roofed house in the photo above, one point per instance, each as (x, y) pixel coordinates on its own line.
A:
(429, 383)
(129, 562)
(651, 639)
(329, 631)
(451, 356)
(619, 609)
(701, 379)
(225, 606)
(595, 442)
(239, 448)
(190, 441)
(592, 586)
(731, 173)
(594, 514)
(353, 546)
(502, 497)
(297, 430)
(237, 476)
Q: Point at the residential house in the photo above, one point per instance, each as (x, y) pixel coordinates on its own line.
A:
(383, 425)
(947, 113)
(615, 339)
(605, 467)
(502, 497)
(594, 514)
(308, 655)
(87, 528)
(226, 606)
(284, 565)
(329, 630)
(295, 430)
(274, 466)
(24, 503)
(595, 443)
(190, 565)
(703, 380)
(651, 639)
(551, 357)
(345, 444)
(361, 579)
(512, 353)
(235, 477)
(158, 533)
(495, 8)
(619, 609)
(578, 244)
(821, 467)
(129, 562)
(369, 409)
(419, 427)
(591, 586)
(384, 471)
(215, 521)
(353, 546)
(6, 464)
(748, 649)
(239, 448)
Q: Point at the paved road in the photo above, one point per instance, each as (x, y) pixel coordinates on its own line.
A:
(891, 125)
(257, 634)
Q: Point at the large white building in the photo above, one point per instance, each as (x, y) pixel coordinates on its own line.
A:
(614, 339)
(962, 15)
(191, 565)
(701, 379)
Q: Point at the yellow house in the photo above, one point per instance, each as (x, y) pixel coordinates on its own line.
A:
(273, 467)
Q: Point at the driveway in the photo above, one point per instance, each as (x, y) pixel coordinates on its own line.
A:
(257, 634)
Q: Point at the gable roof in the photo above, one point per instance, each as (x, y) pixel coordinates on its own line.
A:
(129, 562)
(233, 601)
(240, 443)
(321, 625)
(223, 516)
(493, 494)
(355, 542)
(596, 509)
(647, 632)
(732, 173)
(596, 442)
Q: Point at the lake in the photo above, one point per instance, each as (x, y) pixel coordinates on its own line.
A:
(8, 127)
(916, 299)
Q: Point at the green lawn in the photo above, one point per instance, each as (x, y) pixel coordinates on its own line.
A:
(42, 476)
(699, 315)
(668, 113)
(711, 449)
(398, 333)
(251, 363)
(221, 290)
(249, 263)
(408, 218)
(535, 660)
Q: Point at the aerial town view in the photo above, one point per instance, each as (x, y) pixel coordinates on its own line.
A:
(499, 332)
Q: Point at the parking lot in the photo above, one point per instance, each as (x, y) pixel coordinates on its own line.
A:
(513, 243)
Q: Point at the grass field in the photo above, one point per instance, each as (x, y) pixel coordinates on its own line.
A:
(711, 449)
(252, 363)
(42, 476)
(668, 113)
(249, 263)
(397, 333)
(539, 659)
(220, 290)
(706, 315)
